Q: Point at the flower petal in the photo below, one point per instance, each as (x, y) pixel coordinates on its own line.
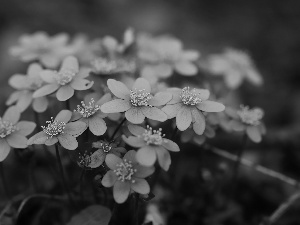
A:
(183, 118)
(112, 160)
(119, 89)
(70, 63)
(175, 95)
(140, 186)
(143, 171)
(4, 149)
(154, 113)
(116, 105)
(64, 116)
(24, 101)
(203, 94)
(68, 141)
(130, 156)
(236, 125)
(105, 98)
(48, 76)
(121, 191)
(136, 130)
(190, 55)
(163, 70)
(172, 110)
(134, 115)
(97, 125)
(170, 145)
(13, 97)
(81, 84)
(210, 106)
(17, 140)
(40, 104)
(253, 133)
(186, 68)
(97, 159)
(233, 79)
(161, 98)
(109, 179)
(75, 128)
(51, 141)
(64, 93)
(34, 70)
(18, 81)
(45, 90)
(198, 121)
(12, 114)
(164, 159)
(25, 127)
(142, 84)
(135, 142)
(146, 155)
(39, 138)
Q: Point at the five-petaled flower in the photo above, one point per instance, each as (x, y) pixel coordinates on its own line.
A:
(13, 133)
(187, 106)
(138, 102)
(126, 175)
(152, 145)
(25, 86)
(64, 81)
(59, 130)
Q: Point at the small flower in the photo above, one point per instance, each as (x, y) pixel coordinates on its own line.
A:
(137, 103)
(13, 133)
(126, 175)
(162, 55)
(187, 106)
(152, 145)
(40, 46)
(25, 86)
(59, 130)
(249, 120)
(65, 81)
(235, 66)
(103, 148)
(106, 66)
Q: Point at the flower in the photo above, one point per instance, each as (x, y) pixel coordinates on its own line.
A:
(249, 120)
(126, 175)
(40, 46)
(152, 145)
(137, 103)
(106, 66)
(90, 113)
(235, 66)
(59, 130)
(187, 106)
(13, 133)
(161, 55)
(65, 81)
(25, 86)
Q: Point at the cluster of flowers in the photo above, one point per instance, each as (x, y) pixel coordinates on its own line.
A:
(137, 99)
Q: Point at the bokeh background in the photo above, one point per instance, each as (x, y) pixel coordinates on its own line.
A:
(269, 30)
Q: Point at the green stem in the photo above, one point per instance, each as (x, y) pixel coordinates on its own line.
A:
(117, 129)
(6, 191)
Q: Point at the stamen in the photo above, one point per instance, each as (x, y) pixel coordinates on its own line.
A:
(6, 128)
(190, 97)
(154, 137)
(105, 146)
(87, 110)
(250, 116)
(84, 159)
(140, 97)
(125, 171)
(64, 77)
(54, 128)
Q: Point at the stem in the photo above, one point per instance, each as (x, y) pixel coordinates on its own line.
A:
(117, 129)
(67, 190)
(6, 191)
(238, 162)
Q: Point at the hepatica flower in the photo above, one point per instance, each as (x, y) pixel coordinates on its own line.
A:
(59, 130)
(13, 133)
(25, 86)
(40, 46)
(152, 145)
(126, 175)
(187, 106)
(64, 81)
(137, 103)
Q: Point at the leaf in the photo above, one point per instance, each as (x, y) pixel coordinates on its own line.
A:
(92, 215)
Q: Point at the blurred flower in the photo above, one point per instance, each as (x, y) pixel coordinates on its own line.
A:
(126, 175)
(152, 145)
(65, 81)
(105, 66)
(161, 55)
(13, 133)
(40, 46)
(137, 103)
(59, 130)
(187, 106)
(249, 120)
(235, 66)
(25, 86)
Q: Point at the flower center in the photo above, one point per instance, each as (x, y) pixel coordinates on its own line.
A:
(250, 116)
(105, 146)
(87, 110)
(103, 65)
(140, 97)
(6, 128)
(154, 137)
(190, 97)
(54, 128)
(125, 171)
(64, 77)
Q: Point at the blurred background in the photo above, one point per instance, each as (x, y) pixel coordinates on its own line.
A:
(269, 30)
